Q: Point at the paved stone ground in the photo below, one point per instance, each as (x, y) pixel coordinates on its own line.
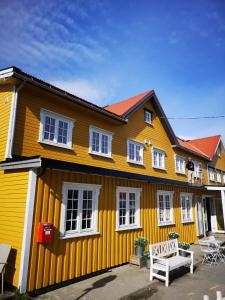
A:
(130, 283)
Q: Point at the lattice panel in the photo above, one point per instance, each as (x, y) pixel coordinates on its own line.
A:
(164, 248)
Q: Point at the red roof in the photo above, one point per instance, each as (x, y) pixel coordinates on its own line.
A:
(120, 108)
(204, 146)
(207, 145)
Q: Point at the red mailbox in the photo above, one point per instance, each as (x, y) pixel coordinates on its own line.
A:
(45, 232)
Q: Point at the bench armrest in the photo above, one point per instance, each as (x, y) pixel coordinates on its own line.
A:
(187, 251)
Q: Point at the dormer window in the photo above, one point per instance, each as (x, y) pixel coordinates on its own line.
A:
(148, 116)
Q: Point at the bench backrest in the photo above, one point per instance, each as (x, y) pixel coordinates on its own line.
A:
(164, 248)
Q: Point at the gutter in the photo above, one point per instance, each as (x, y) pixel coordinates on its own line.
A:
(21, 164)
(12, 121)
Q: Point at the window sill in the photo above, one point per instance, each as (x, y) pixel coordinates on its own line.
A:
(187, 221)
(166, 224)
(128, 228)
(158, 168)
(56, 145)
(180, 173)
(135, 163)
(100, 154)
(81, 234)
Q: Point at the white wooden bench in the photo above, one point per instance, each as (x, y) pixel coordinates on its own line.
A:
(165, 257)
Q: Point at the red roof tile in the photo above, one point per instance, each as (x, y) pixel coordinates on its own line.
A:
(207, 144)
(204, 146)
(120, 108)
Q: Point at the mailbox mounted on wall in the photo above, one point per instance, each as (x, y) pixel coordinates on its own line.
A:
(45, 232)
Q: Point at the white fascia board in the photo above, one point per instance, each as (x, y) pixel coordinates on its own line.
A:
(28, 221)
(215, 188)
(6, 73)
(30, 163)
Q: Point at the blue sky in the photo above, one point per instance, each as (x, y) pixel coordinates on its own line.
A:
(106, 51)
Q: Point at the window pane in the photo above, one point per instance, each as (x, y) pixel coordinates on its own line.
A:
(104, 144)
(122, 208)
(87, 208)
(138, 150)
(131, 208)
(49, 128)
(131, 151)
(95, 141)
(72, 210)
(62, 132)
(161, 208)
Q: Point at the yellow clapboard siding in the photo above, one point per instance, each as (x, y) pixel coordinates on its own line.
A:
(12, 207)
(33, 99)
(6, 91)
(70, 258)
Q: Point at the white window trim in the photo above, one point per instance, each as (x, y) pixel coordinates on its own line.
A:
(164, 155)
(141, 162)
(147, 111)
(137, 191)
(165, 223)
(224, 177)
(100, 131)
(191, 211)
(218, 173)
(43, 114)
(212, 170)
(92, 231)
(199, 164)
(175, 159)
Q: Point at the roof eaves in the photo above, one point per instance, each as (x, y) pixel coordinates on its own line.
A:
(53, 89)
(193, 152)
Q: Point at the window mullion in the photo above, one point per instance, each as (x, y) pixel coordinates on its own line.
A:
(80, 204)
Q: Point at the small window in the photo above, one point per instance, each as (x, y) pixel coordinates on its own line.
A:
(135, 152)
(186, 207)
(100, 142)
(148, 116)
(198, 169)
(179, 164)
(56, 129)
(211, 174)
(165, 207)
(79, 213)
(128, 208)
(158, 159)
(218, 176)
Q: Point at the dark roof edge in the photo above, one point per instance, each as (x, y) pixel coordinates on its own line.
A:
(79, 168)
(192, 152)
(55, 90)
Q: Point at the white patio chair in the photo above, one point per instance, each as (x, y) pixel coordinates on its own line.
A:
(210, 255)
(4, 254)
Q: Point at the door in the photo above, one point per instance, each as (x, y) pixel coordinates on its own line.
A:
(199, 216)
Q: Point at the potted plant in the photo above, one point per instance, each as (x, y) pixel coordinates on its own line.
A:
(140, 243)
(147, 259)
(184, 246)
(173, 235)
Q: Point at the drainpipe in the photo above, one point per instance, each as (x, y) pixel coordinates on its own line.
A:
(12, 121)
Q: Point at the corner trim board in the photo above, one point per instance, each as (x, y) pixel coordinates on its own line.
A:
(25, 252)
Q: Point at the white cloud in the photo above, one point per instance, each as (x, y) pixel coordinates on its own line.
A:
(92, 91)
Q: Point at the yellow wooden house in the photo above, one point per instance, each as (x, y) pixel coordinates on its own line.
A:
(99, 177)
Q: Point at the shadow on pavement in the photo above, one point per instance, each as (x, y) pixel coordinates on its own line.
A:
(98, 284)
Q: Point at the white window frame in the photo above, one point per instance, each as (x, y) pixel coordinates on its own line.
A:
(163, 158)
(223, 177)
(95, 188)
(218, 176)
(176, 157)
(147, 112)
(137, 192)
(187, 196)
(198, 166)
(170, 194)
(211, 173)
(58, 117)
(141, 162)
(100, 132)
